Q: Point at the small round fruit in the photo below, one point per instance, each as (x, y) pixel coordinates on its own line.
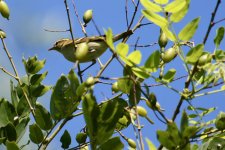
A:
(131, 143)
(169, 55)
(90, 81)
(2, 34)
(141, 111)
(162, 39)
(220, 121)
(82, 51)
(4, 9)
(115, 88)
(87, 16)
(204, 59)
(81, 137)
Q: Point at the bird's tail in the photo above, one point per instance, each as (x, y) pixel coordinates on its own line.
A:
(122, 35)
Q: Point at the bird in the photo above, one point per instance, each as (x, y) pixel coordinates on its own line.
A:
(96, 46)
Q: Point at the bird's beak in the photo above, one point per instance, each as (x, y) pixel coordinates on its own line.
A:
(52, 48)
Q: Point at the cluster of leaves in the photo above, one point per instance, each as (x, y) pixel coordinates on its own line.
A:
(16, 114)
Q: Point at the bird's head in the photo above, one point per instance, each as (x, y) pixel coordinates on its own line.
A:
(59, 44)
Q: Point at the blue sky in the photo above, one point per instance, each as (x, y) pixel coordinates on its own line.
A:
(26, 37)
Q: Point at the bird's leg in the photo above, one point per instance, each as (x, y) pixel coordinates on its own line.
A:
(93, 62)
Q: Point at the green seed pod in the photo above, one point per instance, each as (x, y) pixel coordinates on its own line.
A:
(87, 16)
(81, 137)
(162, 39)
(204, 59)
(220, 121)
(141, 111)
(81, 51)
(90, 81)
(131, 143)
(2, 34)
(115, 88)
(4, 9)
(169, 55)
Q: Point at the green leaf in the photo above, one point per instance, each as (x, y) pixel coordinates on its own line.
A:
(151, 146)
(161, 2)
(62, 100)
(155, 18)
(9, 132)
(43, 117)
(190, 131)
(189, 30)
(169, 76)
(135, 57)
(174, 133)
(151, 6)
(74, 82)
(39, 90)
(36, 134)
(178, 16)
(220, 55)
(91, 114)
(170, 35)
(21, 127)
(122, 49)
(11, 145)
(164, 139)
(7, 112)
(109, 38)
(152, 63)
(14, 96)
(194, 54)
(194, 147)
(212, 144)
(124, 121)
(184, 122)
(175, 6)
(112, 144)
(82, 88)
(124, 85)
(23, 108)
(209, 110)
(65, 140)
(219, 36)
(36, 79)
(140, 72)
(110, 113)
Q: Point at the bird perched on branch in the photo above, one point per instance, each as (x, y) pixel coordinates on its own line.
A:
(94, 46)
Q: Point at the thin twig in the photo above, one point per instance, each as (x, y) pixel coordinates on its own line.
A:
(96, 27)
(48, 133)
(134, 14)
(144, 46)
(126, 12)
(7, 72)
(159, 84)
(138, 119)
(136, 43)
(49, 139)
(71, 33)
(82, 26)
(219, 21)
(48, 30)
(211, 23)
(17, 77)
